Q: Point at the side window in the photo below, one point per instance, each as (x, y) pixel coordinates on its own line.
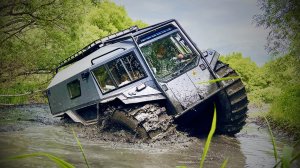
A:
(119, 72)
(105, 81)
(134, 67)
(74, 89)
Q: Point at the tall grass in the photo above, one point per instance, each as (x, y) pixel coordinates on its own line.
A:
(224, 164)
(288, 155)
(219, 80)
(60, 162)
(273, 140)
(81, 148)
(211, 133)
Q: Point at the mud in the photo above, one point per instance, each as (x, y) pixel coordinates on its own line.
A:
(28, 129)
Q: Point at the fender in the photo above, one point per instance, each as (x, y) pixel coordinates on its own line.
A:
(211, 56)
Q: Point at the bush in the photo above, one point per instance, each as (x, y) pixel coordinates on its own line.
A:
(286, 107)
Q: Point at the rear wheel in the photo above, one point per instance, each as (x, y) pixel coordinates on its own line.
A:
(147, 121)
(232, 102)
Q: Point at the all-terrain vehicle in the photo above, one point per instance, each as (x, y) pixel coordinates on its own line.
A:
(146, 79)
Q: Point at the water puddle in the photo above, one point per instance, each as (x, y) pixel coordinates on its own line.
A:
(251, 147)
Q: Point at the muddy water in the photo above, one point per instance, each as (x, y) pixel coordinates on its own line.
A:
(31, 129)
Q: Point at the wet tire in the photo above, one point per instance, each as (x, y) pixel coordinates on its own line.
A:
(232, 102)
(149, 121)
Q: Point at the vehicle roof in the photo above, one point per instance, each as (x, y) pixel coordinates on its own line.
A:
(85, 63)
(81, 60)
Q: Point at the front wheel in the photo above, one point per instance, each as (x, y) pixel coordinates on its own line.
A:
(231, 102)
(149, 121)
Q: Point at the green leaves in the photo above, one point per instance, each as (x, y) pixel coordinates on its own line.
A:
(60, 28)
(273, 140)
(282, 19)
(81, 148)
(287, 157)
(219, 80)
(60, 162)
(208, 140)
(224, 163)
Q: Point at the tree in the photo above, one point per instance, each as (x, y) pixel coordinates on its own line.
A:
(282, 18)
(36, 35)
(19, 16)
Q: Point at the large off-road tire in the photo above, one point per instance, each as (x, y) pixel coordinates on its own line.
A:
(149, 121)
(232, 102)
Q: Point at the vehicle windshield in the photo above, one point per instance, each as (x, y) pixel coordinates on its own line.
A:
(169, 56)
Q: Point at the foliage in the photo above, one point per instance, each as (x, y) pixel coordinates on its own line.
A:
(273, 140)
(24, 90)
(282, 18)
(60, 162)
(211, 133)
(284, 74)
(57, 29)
(251, 75)
(277, 82)
(81, 148)
(286, 107)
(288, 155)
(218, 80)
(224, 164)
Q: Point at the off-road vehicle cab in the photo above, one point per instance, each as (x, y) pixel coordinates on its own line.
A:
(145, 79)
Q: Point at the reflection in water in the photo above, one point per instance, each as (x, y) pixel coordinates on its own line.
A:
(256, 144)
(251, 148)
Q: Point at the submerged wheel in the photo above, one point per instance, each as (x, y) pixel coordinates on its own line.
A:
(232, 102)
(148, 121)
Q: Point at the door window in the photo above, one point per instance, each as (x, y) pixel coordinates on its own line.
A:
(119, 72)
(74, 89)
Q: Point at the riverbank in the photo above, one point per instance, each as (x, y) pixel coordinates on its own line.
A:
(281, 128)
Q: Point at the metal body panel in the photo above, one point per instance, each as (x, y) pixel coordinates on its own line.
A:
(85, 63)
(181, 93)
(60, 100)
(184, 90)
(200, 79)
(211, 56)
(190, 87)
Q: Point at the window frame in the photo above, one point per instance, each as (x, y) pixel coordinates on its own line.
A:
(133, 53)
(69, 90)
(142, 44)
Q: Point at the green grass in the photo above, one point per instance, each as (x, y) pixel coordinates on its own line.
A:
(59, 162)
(81, 148)
(273, 140)
(219, 80)
(224, 163)
(288, 155)
(208, 140)
(285, 110)
(24, 84)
